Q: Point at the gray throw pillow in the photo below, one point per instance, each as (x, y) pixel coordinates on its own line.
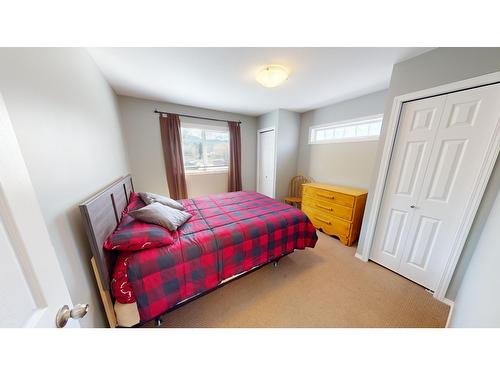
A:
(149, 198)
(159, 214)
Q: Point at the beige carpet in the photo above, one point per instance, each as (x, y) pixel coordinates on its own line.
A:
(321, 287)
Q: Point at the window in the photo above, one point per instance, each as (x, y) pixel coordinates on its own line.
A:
(362, 129)
(205, 149)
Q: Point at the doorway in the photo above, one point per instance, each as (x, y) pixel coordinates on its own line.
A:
(266, 161)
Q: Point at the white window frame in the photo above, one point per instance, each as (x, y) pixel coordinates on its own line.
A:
(212, 170)
(338, 124)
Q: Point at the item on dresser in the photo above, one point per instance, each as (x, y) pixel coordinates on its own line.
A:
(337, 210)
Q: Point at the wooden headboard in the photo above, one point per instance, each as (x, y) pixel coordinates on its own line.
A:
(101, 214)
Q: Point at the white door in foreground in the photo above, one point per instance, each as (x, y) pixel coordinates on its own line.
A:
(32, 287)
(437, 160)
(266, 165)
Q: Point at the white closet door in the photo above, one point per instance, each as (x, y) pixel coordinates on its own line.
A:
(266, 165)
(467, 126)
(443, 184)
(417, 128)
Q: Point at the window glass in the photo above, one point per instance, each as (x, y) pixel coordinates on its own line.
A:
(365, 129)
(217, 143)
(205, 149)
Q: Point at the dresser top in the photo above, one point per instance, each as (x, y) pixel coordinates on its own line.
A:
(339, 189)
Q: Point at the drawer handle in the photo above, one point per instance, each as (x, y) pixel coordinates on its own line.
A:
(326, 196)
(324, 207)
(323, 220)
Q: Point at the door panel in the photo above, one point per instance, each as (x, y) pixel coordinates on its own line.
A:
(266, 167)
(464, 114)
(412, 164)
(394, 233)
(417, 129)
(424, 118)
(435, 175)
(423, 242)
(32, 287)
(470, 119)
(449, 161)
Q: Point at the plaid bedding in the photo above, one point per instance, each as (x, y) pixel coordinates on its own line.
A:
(228, 234)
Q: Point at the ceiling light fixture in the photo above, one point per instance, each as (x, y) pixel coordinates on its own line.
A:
(272, 75)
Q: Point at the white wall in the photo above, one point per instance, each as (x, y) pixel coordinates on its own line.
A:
(333, 162)
(200, 185)
(66, 120)
(142, 137)
(268, 120)
(477, 303)
(434, 68)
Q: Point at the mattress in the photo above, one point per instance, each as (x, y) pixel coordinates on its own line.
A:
(229, 234)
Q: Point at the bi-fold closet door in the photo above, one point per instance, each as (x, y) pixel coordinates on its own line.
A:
(441, 145)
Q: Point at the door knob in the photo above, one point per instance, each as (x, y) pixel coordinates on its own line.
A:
(65, 313)
(412, 206)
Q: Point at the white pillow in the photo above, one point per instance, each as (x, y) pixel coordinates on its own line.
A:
(159, 214)
(149, 198)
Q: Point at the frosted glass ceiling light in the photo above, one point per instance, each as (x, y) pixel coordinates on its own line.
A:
(272, 75)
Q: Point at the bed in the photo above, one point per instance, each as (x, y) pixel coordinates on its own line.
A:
(228, 236)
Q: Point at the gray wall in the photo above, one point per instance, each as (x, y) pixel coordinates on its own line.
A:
(332, 162)
(477, 303)
(434, 68)
(143, 143)
(287, 127)
(287, 145)
(66, 120)
(268, 120)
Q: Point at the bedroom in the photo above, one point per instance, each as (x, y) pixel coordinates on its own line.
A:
(86, 129)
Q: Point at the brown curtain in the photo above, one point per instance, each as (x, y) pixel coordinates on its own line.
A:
(234, 180)
(170, 128)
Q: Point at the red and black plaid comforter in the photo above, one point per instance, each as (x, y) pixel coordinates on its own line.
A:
(228, 234)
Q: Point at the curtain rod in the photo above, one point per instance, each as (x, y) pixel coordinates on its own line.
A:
(198, 117)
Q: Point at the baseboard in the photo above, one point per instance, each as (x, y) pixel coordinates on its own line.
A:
(450, 303)
(360, 257)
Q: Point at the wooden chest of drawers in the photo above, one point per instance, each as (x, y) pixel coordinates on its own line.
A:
(337, 210)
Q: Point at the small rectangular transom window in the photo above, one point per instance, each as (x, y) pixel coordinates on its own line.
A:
(356, 130)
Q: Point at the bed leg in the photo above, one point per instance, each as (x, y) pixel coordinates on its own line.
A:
(158, 321)
(275, 263)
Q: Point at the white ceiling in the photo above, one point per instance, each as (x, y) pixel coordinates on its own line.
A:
(224, 78)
